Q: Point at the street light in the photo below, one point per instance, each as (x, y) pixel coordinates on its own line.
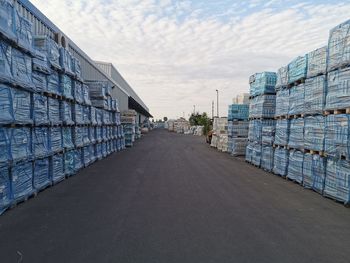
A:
(217, 103)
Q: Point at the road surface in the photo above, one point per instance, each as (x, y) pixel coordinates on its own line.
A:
(172, 198)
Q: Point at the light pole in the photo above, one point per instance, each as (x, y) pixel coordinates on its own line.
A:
(217, 103)
(194, 109)
(212, 110)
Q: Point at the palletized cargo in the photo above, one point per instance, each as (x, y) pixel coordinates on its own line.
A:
(5, 148)
(338, 89)
(5, 188)
(57, 167)
(54, 111)
(263, 106)
(78, 91)
(67, 113)
(69, 166)
(22, 180)
(50, 48)
(314, 133)
(66, 86)
(21, 143)
(282, 132)
(6, 105)
(41, 175)
(67, 135)
(297, 69)
(282, 102)
(56, 139)
(66, 61)
(296, 99)
(22, 69)
(53, 83)
(23, 29)
(295, 166)
(78, 114)
(315, 95)
(40, 110)
(280, 161)
(39, 81)
(267, 156)
(7, 23)
(78, 136)
(282, 78)
(41, 142)
(262, 83)
(337, 135)
(317, 62)
(296, 134)
(22, 104)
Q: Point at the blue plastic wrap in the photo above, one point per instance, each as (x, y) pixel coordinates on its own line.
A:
(22, 178)
(268, 135)
(40, 113)
(104, 149)
(5, 185)
(263, 106)
(66, 86)
(337, 135)
(99, 116)
(50, 48)
(337, 183)
(6, 105)
(23, 28)
(78, 159)
(39, 81)
(238, 112)
(86, 115)
(67, 113)
(87, 154)
(41, 142)
(78, 91)
(21, 143)
(66, 61)
(40, 63)
(255, 129)
(338, 89)
(76, 66)
(296, 134)
(282, 102)
(86, 93)
(238, 146)
(318, 173)
(57, 168)
(5, 149)
(104, 133)
(7, 19)
(53, 83)
(78, 136)
(280, 161)
(92, 135)
(85, 135)
(56, 139)
(267, 156)
(22, 104)
(314, 133)
(339, 46)
(5, 62)
(93, 115)
(295, 166)
(297, 69)
(97, 89)
(282, 132)
(296, 99)
(67, 135)
(99, 134)
(69, 160)
(41, 177)
(256, 157)
(98, 151)
(54, 111)
(282, 78)
(317, 62)
(307, 170)
(262, 83)
(22, 69)
(78, 114)
(315, 95)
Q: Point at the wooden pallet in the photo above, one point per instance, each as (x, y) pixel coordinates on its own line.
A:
(282, 117)
(295, 116)
(337, 111)
(297, 82)
(320, 153)
(280, 146)
(23, 199)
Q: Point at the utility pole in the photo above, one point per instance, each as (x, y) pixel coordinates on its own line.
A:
(217, 103)
(194, 109)
(212, 110)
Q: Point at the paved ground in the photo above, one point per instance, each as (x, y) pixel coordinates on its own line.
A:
(171, 198)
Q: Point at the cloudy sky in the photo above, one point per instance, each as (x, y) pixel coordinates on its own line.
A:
(175, 54)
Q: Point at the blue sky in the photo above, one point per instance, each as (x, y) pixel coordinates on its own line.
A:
(175, 54)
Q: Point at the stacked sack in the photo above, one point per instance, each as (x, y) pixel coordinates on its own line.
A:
(46, 123)
(220, 134)
(238, 126)
(128, 120)
(261, 118)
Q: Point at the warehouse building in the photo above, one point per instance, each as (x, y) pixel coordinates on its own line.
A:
(91, 70)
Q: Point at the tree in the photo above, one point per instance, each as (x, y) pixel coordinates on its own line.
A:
(201, 120)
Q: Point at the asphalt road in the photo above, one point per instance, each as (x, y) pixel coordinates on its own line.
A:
(172, 198)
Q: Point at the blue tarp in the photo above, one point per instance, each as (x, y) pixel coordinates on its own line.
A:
(315, 95)
(41, 177)
(238, 112)
(296, 99)
(317, 62)
(22, 106)
(78, 136)
(57, 168)
(337, 135)
(50, 48)
(67, 133)
(338, 89)
(5, 62)
(280, 161)
(24, 32)
(282, 132)
(297, 69)
(296, 134)
(282, 78)
(282, 102)
(78, 91)
(267, 156)
(39, 81)
(6, 105)
(54, 111)
(67, 113)
(295, 166)
(263, 106)
(21, 143)
(337, 183)
(314, 133)
(5, 149)
(53, 83)
(56, 139)
(40, 110)
(78, 114)
(22, 69)
(22, 180)
(66, 86)
(5, 186)
(69, 167)
(339, 46)
(66, 61)
(76, 66)
(7, 19)
(41, 142)
(262, 83)
(40, 63)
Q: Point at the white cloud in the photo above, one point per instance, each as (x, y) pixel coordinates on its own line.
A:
(175, 57)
